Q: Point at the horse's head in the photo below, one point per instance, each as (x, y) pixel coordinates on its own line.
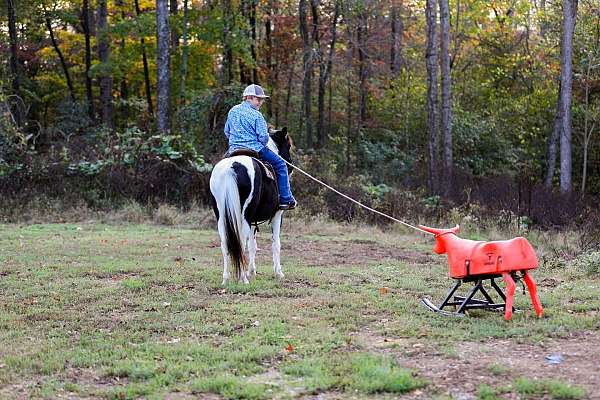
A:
(440, 237)
(283, 143)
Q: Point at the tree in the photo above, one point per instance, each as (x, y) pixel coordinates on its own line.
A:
(446, 125)
(227, 64)
(162, 66)
(185, 53)
(14, 68)
(63, 63)
(105, 81)
(173, 8)
(147, 87)
(566, 80)
(85, 16)
(363, 61)
(349, 79)
(324, 72)
(396, 59)
(432, 95)
(307, 62)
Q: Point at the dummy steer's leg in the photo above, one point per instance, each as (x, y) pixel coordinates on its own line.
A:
(535, 300)
(276, 245)
(510, 294)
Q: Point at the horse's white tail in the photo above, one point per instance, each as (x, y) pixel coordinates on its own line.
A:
(227, 197)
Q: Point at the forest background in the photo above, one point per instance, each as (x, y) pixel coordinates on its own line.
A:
(436, 109)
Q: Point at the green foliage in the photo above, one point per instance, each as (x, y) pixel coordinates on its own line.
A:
(201, 121)
(230, 387)
(554, 389)
(486, 392)
(373, 374)
(479, 149)
(131, 146)
(589, 262)
(377, 191)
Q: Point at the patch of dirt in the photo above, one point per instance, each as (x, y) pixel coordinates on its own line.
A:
(348, 252)
(460, 371)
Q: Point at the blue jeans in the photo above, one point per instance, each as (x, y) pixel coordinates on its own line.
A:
(283, 181)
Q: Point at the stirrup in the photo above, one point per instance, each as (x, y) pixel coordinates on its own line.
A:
(288, 206)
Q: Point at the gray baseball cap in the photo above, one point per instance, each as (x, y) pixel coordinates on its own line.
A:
(254, 90)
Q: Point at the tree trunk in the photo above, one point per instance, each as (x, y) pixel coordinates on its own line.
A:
(456, 48)
(362, 36)
(350, 88)
(173, 8)
(162, 66)
(566, 79)
(16, 102)
(432, 95)
(124, 91)
(307, 67)
(543, 19)
(245, 72)
(88, 59)
(252, 20)
(288, 97)
(446, 126)
(63, 63)
(324, 73)
(105, 80)
(148, 89)
(271, 106)
(553, 142)
(396, 59)
(588, 131)
(184, 56)
(227, 66)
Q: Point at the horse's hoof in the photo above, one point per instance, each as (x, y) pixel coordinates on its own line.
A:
(279, 275)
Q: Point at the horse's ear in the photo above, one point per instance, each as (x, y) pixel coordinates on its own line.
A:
(280, 134)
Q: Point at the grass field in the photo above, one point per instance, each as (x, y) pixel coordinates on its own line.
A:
(138, 311)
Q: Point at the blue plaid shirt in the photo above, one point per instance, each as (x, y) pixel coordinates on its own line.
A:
(246, 128)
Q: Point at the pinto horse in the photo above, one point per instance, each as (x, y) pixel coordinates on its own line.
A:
(244, 192)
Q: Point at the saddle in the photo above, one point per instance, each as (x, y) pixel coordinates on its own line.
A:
(268, 168)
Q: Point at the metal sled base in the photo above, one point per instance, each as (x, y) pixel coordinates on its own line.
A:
(463, 303)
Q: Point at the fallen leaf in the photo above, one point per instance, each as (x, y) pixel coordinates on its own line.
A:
(289, 348)
(383, 290)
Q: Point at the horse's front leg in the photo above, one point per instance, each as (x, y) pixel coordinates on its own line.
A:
(276, 227)
(252, 253)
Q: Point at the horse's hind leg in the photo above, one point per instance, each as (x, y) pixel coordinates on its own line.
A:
(221, 226)
(276, 226)
(252, 253)
(245, 236)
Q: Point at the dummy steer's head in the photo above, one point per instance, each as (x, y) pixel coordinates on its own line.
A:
(441, 235)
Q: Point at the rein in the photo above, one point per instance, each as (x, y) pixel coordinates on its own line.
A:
(357, 202)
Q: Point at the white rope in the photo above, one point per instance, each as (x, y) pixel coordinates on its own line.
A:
(357, 202)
